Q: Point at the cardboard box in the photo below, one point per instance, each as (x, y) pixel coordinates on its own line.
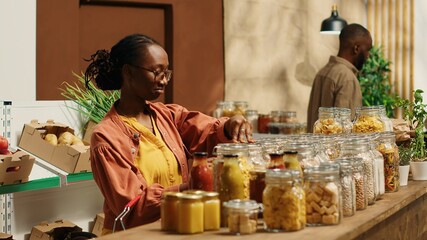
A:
(51, 231)
(99, 224)
(5, 236)
(71, 159)
(15, 168)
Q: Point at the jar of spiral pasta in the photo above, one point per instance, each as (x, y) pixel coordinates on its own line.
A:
(388, 148)
(327, 122)
(284, 201)
(323, 195)
(368, 121)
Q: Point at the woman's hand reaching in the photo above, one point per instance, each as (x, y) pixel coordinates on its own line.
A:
(239, 129)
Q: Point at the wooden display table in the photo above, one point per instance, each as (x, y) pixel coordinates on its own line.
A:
(400, 215)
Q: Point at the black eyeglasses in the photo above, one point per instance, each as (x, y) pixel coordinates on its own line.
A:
(162, 75)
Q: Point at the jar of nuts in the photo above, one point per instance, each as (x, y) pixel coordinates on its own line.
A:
(323, 195)
(327, 122)
(284, 201)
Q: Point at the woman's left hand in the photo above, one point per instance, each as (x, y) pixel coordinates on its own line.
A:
(239, 129)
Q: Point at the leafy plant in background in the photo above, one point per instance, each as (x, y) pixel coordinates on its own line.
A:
(92, 103)
(416, 114)
(374, 81)
(404, 155)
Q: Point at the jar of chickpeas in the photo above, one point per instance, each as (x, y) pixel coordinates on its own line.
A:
(284, 201)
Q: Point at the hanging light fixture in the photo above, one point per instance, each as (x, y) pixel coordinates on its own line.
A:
(334, 23)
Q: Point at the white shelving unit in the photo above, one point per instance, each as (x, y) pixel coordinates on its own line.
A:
(51, 193)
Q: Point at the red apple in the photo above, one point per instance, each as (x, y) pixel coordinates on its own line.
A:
(4, 144)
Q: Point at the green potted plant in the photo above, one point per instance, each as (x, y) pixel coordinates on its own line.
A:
(91, 102)
(374, 81)
(404, 160)
(416, 114)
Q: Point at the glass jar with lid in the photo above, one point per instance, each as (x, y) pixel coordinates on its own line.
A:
(327, 122)
(359, 147)
(388, 124)
(227, 109)
(252, 117)
(368, 121)
(190, 214)
(242, 216)
(276, 116)
(201, 173)
(306, 153)
(344, 116)
(284, 201)
(219, 109)
(359, 183)
(263, 121)
(169, 211)
(386, 145)
(289, 117)
(379, 163)
(323, 195)
(240, 107)
(348, 188)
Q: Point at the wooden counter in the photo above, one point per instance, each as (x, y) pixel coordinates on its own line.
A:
(400, 215)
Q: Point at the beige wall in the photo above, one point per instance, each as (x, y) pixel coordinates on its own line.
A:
(273, 49)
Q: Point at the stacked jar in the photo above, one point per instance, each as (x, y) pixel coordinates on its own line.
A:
(359, 147)
(388, 148)
(284, 201)
(348, 187)
(323, 195)
(327, 122)
(368, 120)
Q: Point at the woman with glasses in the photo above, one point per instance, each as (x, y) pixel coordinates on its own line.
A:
(142, 148)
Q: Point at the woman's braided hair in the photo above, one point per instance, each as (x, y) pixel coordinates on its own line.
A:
(106, 67)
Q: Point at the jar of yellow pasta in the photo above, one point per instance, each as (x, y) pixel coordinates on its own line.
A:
(327, 123)
(284, 201)
(368, 120)
(323, 195)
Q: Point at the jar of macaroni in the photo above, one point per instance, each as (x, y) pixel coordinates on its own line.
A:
(327, 122)
(169, 211)
(368, 121)
(284, 201)
(242, 216)
(323, 195)
(190, 214)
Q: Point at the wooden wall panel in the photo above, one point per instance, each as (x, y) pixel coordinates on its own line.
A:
(191, 31)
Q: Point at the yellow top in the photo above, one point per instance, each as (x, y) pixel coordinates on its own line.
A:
(155, 160)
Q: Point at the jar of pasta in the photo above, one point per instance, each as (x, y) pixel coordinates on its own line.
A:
(388, 148)
(359, 147)
(242, 216)
(284, 201)
(240, 107)
(190, 214)
(323, 195)
(227, 109)
(327, 122)
(368, 121)
(348, 188)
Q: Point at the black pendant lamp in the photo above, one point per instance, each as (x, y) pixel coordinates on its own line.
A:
(334, 23)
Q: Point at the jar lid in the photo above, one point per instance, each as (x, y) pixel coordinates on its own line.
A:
(171, 195)
(186, 196)
(197, 192)
(210, 195)
(243, 204)
(200, 154)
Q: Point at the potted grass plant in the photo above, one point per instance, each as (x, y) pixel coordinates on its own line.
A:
(91, 102)
(416, 114)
